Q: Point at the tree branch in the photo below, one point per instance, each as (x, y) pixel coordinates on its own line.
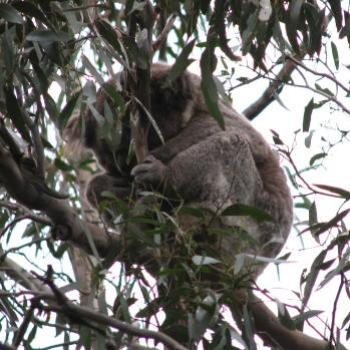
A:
(324, 75)
(42, 292)
(26, 188)
(273, 333)
(269, 95)
(92, 315)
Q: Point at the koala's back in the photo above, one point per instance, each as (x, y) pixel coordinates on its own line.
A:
(206, 165)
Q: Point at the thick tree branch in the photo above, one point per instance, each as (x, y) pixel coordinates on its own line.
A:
(26, 188)
(273, 333)
(42, 292)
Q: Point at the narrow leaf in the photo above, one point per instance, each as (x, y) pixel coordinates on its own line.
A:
(339, 191)
(335, 55)
(108, 33)
(30, 10)
(182, 62)
(292, 23)
(246, 210)
(15, 113)
(332, 223)
(200, 260)
(9, 14)
(312, 276)
(68, 110)
(307, 115)
(337, 12)
(48, 36)
(210, 93)
(316, 157)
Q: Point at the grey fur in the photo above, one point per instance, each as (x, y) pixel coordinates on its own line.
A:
(209, 167)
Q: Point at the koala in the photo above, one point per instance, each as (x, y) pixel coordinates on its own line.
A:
(206, 166)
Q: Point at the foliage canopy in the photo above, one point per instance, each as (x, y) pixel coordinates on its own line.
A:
(54, 55)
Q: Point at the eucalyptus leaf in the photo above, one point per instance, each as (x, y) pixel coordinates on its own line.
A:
(10, 14)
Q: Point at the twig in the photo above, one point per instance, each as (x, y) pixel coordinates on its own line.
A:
(298, 174)
(17, 248)
(325, 75)
(64, 305)
(24, 326)
(334, 311)
(16, 220)
(44, 293)
(273, 333)
(324, 94)
(162, 37)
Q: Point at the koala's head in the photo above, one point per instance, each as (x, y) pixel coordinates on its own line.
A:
(169, 95)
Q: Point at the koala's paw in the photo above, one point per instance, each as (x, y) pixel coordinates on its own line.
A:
(150, 172)
(101, 183)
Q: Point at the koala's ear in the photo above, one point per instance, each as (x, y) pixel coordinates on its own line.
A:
(170, 93)
(182, 85)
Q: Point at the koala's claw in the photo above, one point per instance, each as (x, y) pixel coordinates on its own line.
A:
(150, 172)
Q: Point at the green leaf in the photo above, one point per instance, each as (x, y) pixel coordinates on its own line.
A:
(331, 223)
(201, 260)
(27, 8)
(337, 190)
(210, 93)
(325, 90)
(304, 316)
(48, 36)
(16, 115)
(313, 219)
(32, 334)
(91, 68)
(314, 18)
(149, 310)
(8, 52)
(192, 211)
(316, 157)
(182, 62)
(344, 265)
(307, 115)
(9, 14)
(247, 210)
(313, 214)
(335, 55)
(51, 107)
(60, 164)
(109, 33)
(312, 276)
(284, 316)
(293, 22)
(337, 12)
(85, 338)
(248, 329)
(67, 111)
(120, 205)
(308, 139)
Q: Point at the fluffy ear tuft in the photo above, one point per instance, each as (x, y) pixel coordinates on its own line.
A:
(73, 134)
(73, 129)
